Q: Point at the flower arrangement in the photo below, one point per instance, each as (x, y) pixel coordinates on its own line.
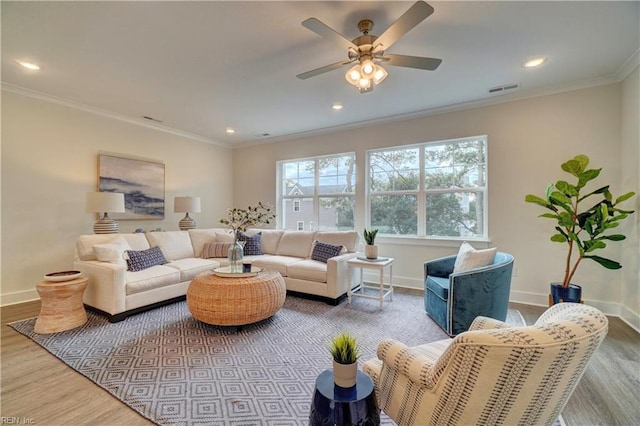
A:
(242, 219)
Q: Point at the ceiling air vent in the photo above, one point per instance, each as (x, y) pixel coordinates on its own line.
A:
(504, 88)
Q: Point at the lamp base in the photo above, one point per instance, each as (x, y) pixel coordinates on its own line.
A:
(187, 223)
(106, 225)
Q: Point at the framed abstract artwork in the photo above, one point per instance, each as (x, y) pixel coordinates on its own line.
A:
(141, 182)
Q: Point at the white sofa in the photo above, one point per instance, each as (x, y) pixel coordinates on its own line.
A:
(119, 293)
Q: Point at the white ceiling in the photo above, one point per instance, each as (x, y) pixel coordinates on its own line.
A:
(200, 67)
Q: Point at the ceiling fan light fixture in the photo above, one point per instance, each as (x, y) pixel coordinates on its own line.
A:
(364, 83)
(379, 75)
(368, 68)
(353, 75)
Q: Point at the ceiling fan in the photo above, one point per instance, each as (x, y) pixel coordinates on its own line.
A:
(368, 51)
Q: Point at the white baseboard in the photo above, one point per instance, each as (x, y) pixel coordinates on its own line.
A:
(528, 298)
(18, 297)
(630, 317)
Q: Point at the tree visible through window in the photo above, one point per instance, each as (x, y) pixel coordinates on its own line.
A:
(436, 189)
(322, 187)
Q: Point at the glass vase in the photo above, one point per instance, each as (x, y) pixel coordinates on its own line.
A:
(235, 256)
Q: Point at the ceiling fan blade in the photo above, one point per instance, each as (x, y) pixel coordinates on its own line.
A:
(418, 62)
(412, 17)
(322, 70)
(327, 32)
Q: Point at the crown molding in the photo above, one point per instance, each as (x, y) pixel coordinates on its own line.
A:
(630, 64)
(106, 113)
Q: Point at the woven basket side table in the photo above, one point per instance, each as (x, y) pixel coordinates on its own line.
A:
(62, 307)
(232, 301)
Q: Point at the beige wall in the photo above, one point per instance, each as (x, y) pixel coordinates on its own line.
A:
(630, 161)
(528, 140)
(49, 163)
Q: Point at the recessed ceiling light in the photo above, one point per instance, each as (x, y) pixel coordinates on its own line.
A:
(534, 62)
(230, 130)
(29, 65)
(337, 106)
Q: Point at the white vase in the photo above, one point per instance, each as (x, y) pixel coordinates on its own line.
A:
(344, 375)
(371, 252)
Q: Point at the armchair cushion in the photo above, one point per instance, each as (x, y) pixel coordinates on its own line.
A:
(439, 286)
(470, 258)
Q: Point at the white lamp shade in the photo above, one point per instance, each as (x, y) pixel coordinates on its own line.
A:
(186, 205)
(105, 202)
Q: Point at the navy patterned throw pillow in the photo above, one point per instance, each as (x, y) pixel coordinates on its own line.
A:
(324, 251)
(252, 245)
(139, 260)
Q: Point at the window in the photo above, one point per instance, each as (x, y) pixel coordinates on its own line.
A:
(323, 188)
(435, 189)
(300, 225)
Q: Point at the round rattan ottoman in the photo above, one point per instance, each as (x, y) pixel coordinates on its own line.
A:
(235, 301)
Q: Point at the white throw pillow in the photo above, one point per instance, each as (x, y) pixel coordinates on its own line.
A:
(469, 258)
(112, 251)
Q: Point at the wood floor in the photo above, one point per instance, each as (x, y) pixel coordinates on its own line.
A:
(37, 388)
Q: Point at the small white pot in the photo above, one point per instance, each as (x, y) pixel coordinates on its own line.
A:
(344, 375)
(371, 252)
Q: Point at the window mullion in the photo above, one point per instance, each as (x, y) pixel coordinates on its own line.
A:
(422, 200)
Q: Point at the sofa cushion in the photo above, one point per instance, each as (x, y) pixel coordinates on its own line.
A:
(193, 266)
(85, 243)
(144, 259)
(174, 244)
(215, 249)
(199, 237)
(279, 263)
(112, 252)
(470, 258)
(150, 278)
(252, 245)
(269, 239)
(323, 251)
(348, 239)
(296, 243)
(310, 270)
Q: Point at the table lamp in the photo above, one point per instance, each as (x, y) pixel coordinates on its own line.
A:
(186, 205)
(105, 202)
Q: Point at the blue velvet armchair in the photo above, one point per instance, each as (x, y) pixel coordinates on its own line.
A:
(455, 300)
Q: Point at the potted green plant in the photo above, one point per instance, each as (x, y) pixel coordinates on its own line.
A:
(370, 249)
(582, 222)
(345, 351)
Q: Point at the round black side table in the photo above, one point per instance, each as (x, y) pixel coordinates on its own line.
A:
(334, 405)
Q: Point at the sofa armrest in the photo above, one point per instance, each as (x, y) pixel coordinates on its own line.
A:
(404, 360)
(339, 280)
(106, 289)
(486, 323)
(441, 267)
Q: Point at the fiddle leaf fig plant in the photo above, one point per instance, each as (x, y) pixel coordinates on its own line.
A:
(583, 221)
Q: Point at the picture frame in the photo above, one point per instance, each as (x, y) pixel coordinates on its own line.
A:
(142, 182)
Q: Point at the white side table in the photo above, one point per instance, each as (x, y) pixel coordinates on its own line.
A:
(379, 265)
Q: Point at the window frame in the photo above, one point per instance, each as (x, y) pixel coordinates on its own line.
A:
(316, 196)
(421, 192)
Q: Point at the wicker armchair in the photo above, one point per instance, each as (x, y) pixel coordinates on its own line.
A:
(493, 374)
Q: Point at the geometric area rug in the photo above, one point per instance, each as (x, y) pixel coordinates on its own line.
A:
(175, 370)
